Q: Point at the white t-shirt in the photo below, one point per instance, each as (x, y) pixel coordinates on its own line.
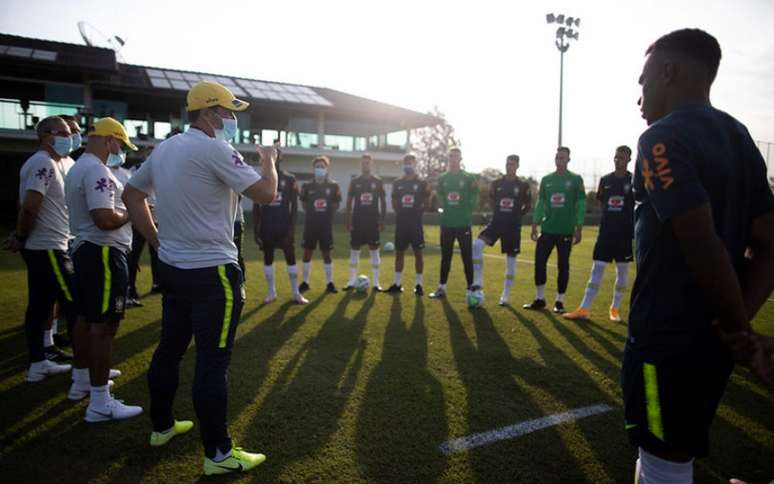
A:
(122, 174)
(91, 185)
(196, 180)
(40, 173)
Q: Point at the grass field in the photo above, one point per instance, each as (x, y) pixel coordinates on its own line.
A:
(366, 388)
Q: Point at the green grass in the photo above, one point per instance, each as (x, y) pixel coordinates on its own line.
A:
(355, 388)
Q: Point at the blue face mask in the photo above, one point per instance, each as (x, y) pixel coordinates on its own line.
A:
(62, 145)
(320, 172)
(115, 160)
(77, 140)
(228, 131)
(408, 169)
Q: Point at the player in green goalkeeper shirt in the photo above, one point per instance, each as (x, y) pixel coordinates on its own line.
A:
(560, 208)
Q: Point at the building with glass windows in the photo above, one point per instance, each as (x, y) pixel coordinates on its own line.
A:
(39, 78)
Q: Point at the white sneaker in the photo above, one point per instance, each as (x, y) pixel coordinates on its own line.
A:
(503, 300)
(79, 390)
(270, 298)
(299, 299)
(41, 369)
(114, 373)
(114, 410)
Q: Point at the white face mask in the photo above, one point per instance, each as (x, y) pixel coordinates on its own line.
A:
(115, 160)
(320, 172)
(228, 131)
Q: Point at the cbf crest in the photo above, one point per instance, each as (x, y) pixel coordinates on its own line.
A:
(567, 184)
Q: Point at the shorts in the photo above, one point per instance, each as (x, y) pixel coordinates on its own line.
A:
(364, 233)
(669, 403)
(314, 236)
(102, 281)
(409, 234)
(274, 240)
(609, 249)
(510, 237)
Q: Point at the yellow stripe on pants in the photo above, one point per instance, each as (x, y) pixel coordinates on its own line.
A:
(229, 305)
(108, 279)
(652, 402)
(59, 276)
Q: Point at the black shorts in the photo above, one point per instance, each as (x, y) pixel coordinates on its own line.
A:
(102, 281)
(609, 249)
(409, 234)
(314, 235)
(364, 233)
(669, 403)
(509, 237)
(273, 240)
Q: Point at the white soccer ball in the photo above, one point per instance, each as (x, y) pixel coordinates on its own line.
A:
(361, 283)
(475, 298)
(389, 246)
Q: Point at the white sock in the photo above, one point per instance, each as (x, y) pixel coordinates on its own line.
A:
(99, 396)
(293, 276)
(540, 292)
(621, 278)
(510, 275)
(560, 297)
(307, 271)
(442, 286)
(328, 272)
(478, 262)
(376, 261)
(592, 287)
(420, 279)
(398, 278)
(48, 338)
(268, 272)
(654, 470)
(81, 376)
(55, 326)
(220, 456)
(354, 258)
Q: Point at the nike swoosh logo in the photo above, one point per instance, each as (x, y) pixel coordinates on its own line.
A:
(629, 426)
(106, 415)
(237, 468)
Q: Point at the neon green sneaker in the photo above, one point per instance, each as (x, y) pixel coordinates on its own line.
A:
(238, 461)
(179, 428)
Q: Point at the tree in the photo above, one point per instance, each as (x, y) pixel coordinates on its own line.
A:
(431, 144)
(485, 180)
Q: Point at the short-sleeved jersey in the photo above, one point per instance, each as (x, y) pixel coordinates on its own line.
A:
(320, 202)
(197, 181)
(365, 192)
(276, 215)
(409, 196)
(91, 185)
(458, 195)
(693, 156)
(122, 174)
(40, 173)
(617, 199)
(561, 204)
(510, 200)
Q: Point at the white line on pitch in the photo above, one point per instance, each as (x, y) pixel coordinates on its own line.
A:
(519, 429)
(519, 260)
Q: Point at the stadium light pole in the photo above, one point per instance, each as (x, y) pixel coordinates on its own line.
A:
(564, 34)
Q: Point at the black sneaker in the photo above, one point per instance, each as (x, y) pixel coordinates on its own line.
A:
(418, 290)
(377, 289)
(331, 288)
(52, 353)
(155, 289)
(439, 293)
(394, 289)
(133, 303)
(536, 305)
(474, 287)
(348, 287)
(303, 287)
(559, 307)
(62, 341)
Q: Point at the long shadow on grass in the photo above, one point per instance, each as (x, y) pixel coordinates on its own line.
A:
(402, 416)
(302, 410)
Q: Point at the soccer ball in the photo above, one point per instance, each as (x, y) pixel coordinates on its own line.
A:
(475, 298)
(389, 246)
(361, 283)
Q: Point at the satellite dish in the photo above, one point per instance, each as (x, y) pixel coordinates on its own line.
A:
(94, 38)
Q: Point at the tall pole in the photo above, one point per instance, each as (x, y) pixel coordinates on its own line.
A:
(561, 93)
(567, 31)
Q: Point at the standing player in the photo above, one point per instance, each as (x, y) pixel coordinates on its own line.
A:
(365, 219)
(616, 231)
(510, 199)
(273, 225)
(320, 199)
(197, 178)
(702, 201)
(409, 197)
(458, 193)
(103, 238)
(560, 210)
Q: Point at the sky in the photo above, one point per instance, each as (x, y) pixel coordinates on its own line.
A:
(490, 66)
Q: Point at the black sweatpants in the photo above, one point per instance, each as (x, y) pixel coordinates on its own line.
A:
(545, 245)
(138, 243)
(204, 304)
(465, 240)
(50, 278)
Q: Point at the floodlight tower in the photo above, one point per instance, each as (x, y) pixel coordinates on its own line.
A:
(564, 34)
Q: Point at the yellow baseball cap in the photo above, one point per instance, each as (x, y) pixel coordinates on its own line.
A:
(206, 94)
(111, 127)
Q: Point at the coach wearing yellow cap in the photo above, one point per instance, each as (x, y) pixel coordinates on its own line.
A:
(197, 178)
(98, 221)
